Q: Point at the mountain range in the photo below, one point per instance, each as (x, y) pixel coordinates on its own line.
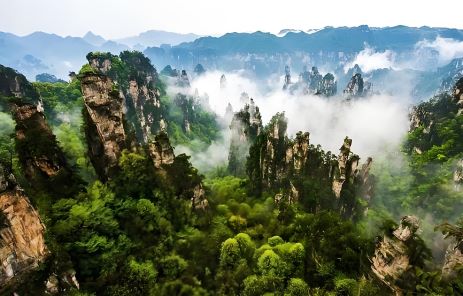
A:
(260, 54)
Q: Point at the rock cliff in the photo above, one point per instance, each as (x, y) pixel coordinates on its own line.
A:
(292, 167)
(245, 126)
(104, 119)
(392, 260)
(42, 160)
(22, 241)
(123, 111)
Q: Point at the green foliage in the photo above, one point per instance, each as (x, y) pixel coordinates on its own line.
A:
(6, 139)
(297, 287)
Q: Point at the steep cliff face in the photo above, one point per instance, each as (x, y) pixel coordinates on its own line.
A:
(355, 86)
(434, 126)
(161, 151)
(245, 126)
(453, 260)
(22, 241)
(123, 111)
(13, 84)
(142, 97)
(392, 258)
(135, 78)
(296, 169)
(104, 120)
(41, 158)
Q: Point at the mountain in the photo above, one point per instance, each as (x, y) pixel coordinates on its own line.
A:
(93, 39)
(43, 52)
(156, 38)
(266, 54)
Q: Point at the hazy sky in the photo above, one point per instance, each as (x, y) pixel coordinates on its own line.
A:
(120, 18)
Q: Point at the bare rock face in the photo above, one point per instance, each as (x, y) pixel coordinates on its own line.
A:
(104, 118)
(458, 175)
(141, 96)
(298, 153)
(42, 160)
(103, 64)
(245, 126)
(391, 260)
(357, 87)
(13, 84)
(453, 260)
(22, 242)
(160, 150)
(419, 117)
(346, 168)
(199, 200)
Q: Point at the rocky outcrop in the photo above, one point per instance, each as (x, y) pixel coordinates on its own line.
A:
(22, 241)
(458, 175)
(392, 258)
(355, 86)
(42, 160)
(187, 105)
(450, 74)
(315, 78)
(245, 126)
(312, 82)
(123, 111)
(327, 86)
(100, 61)
(104, 119)
(346, 168)
(453, 260)
(287, 82)
(161, 151)
(122, 108)
(279, 163)
(15, 85)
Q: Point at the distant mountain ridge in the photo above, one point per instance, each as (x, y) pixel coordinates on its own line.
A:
(259, 53)
(157, 38)
(41, 52)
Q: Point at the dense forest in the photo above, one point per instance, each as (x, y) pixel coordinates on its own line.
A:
(123, 214)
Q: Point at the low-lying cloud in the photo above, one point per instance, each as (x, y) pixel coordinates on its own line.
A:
(446, 48)
(369, 59)
(373, 123)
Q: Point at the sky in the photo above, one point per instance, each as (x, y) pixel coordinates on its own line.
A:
(121, 18)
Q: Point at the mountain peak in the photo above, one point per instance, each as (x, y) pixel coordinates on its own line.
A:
(93, 39)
